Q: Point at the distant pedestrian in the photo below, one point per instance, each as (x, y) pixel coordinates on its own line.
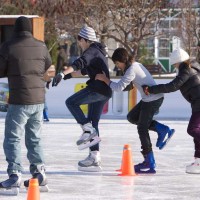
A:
(62, 59)
(74, 51)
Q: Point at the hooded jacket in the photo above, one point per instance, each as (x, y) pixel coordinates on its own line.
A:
(187, 81)
(24, 60)
(93, 61)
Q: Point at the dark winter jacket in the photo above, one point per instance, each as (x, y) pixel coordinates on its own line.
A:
(24, 60)
(92, 62)
(187, 81)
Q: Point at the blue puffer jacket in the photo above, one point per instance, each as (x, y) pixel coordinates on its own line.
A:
(93, 61)
(187, 81)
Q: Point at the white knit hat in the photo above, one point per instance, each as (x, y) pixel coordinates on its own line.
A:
(88, 33)
(178, 56)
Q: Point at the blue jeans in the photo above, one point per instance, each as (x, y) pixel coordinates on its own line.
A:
(95, 103)
(22, 119)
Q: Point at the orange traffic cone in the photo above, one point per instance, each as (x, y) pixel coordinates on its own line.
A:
(33, 190)
(126, 146)
(127, 167)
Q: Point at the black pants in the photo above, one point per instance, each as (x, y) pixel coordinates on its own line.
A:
(142, 115)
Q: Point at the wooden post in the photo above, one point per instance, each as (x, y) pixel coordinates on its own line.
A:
(37, 24)
(132, 98)
(38, 28)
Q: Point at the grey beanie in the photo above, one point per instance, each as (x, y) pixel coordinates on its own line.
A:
(88, 33)
(22, 24)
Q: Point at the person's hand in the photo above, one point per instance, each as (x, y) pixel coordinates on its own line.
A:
(146, 89)
(47, 84)
(57, 79)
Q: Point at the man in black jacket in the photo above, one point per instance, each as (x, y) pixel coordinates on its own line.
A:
(24, 60)
(92, 61)
(188, 82)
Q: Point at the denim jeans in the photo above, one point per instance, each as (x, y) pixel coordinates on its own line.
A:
(23, 119)
(194, 131)
(142, 115)
(95, 103)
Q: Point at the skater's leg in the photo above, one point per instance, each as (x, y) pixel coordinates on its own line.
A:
(16, 119)
(94, 114)
(134, 114)
(194, 126)
(85, 96)
(33, 138)
(146, 113)
(74, 102)
(145, 118)
(34, 147)
(194, 130)
(164, 133)
(93, 161)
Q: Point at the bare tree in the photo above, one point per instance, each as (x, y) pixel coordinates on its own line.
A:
(127, 22)
(186, 26)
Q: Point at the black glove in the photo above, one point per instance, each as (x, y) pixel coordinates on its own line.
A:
(68, 76)
(57, 79)
(47, 84)
(146, 89)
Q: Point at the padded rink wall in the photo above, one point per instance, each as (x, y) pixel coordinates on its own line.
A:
(173, 107)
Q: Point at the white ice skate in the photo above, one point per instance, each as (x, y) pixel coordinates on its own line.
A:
(88, 138)
(41, 176)
(11, 186)
(194, 168)
(92, 163)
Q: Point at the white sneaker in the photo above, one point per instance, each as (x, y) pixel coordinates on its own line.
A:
(89, 133)
(92, 163)
(194, 168)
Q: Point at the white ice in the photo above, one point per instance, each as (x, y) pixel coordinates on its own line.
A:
(67, 183)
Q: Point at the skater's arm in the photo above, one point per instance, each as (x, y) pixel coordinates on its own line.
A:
(125, 80)
(102, 77)
(172, 86)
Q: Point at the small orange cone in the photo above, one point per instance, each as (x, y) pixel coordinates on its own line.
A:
(33, 190)
(126, 146)
(127, 167)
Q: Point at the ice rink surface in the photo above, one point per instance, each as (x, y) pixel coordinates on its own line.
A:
(67, 183)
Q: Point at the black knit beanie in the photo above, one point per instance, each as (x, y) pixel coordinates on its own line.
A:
(22, 24)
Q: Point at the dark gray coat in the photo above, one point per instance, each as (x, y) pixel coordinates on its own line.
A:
(187, 81)
(24, 60)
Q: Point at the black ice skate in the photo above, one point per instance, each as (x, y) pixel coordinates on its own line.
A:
(11, 186)
(42, 180)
